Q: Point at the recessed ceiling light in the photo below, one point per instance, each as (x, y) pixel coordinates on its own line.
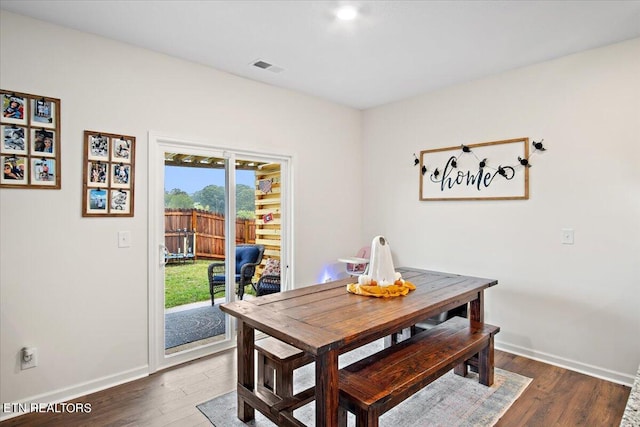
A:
(347, 13)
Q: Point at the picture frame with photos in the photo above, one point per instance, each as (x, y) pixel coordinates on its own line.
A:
(108, 178)
(30, 145)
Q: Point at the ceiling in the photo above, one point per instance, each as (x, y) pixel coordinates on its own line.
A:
(393, 50)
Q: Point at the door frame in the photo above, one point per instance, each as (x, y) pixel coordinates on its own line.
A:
(158, 144)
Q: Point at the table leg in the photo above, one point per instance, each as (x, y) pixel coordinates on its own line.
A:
(327, 397)
(245, 368)
(476, 308)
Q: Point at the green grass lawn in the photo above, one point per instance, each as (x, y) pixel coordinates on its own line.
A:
(187, 283)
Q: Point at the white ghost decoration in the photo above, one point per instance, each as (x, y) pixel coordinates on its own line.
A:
(381, 265)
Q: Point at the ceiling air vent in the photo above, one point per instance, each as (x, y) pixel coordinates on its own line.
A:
(262, 64)
(267, 66)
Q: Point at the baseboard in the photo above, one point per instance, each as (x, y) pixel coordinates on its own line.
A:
(79, 390)
(74, 392)
(573, 365)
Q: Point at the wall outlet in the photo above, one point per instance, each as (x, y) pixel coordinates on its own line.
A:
(28, 357)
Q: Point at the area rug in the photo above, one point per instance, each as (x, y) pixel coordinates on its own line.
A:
(450, 401)
(182, 327)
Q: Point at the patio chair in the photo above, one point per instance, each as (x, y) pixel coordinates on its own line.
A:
(247, 258)
(269, 281)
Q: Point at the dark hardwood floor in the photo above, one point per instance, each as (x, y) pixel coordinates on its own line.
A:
(555, 397)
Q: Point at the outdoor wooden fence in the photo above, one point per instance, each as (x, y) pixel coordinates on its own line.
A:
(189, 228)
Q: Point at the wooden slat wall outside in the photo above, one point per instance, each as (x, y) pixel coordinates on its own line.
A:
(268, 220)
(209, 231)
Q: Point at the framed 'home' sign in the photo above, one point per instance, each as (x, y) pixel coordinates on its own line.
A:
(495, 170)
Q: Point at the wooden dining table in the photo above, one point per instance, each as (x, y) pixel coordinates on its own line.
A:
(325, 321)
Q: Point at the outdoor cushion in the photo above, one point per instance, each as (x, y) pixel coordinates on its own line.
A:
(244, 255)
(220, 278)
(272, 267)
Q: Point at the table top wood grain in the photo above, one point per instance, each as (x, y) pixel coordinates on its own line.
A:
(322, 317)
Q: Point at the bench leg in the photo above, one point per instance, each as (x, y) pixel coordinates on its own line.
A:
(461, 369)
(266, 374)
(284, 381)
(366, 418)
(401, 335)
(275, 377)
(342, 417)
(486, 364)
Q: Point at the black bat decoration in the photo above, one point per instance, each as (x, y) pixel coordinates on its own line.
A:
(424, 169)
(483, 163)
(501, 171)
(415, 160)
(524, 162)
(454, 164)
(538, 145)
(466, 149)
(436, 173)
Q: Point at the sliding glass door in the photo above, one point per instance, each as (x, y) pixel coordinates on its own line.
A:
(205, 203)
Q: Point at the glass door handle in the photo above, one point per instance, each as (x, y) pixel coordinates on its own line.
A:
(163, 255)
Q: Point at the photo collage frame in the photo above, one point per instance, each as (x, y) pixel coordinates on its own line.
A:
(30, 146)
(108, 174)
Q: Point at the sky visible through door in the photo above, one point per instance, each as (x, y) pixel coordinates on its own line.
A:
(191, 180)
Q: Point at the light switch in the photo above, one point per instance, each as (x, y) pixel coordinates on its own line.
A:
(124, 239)
(567, 236)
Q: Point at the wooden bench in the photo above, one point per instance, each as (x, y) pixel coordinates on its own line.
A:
(276, 363)
(374, 385)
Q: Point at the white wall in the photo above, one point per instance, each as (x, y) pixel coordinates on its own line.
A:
(65, 287)
(577, 305)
